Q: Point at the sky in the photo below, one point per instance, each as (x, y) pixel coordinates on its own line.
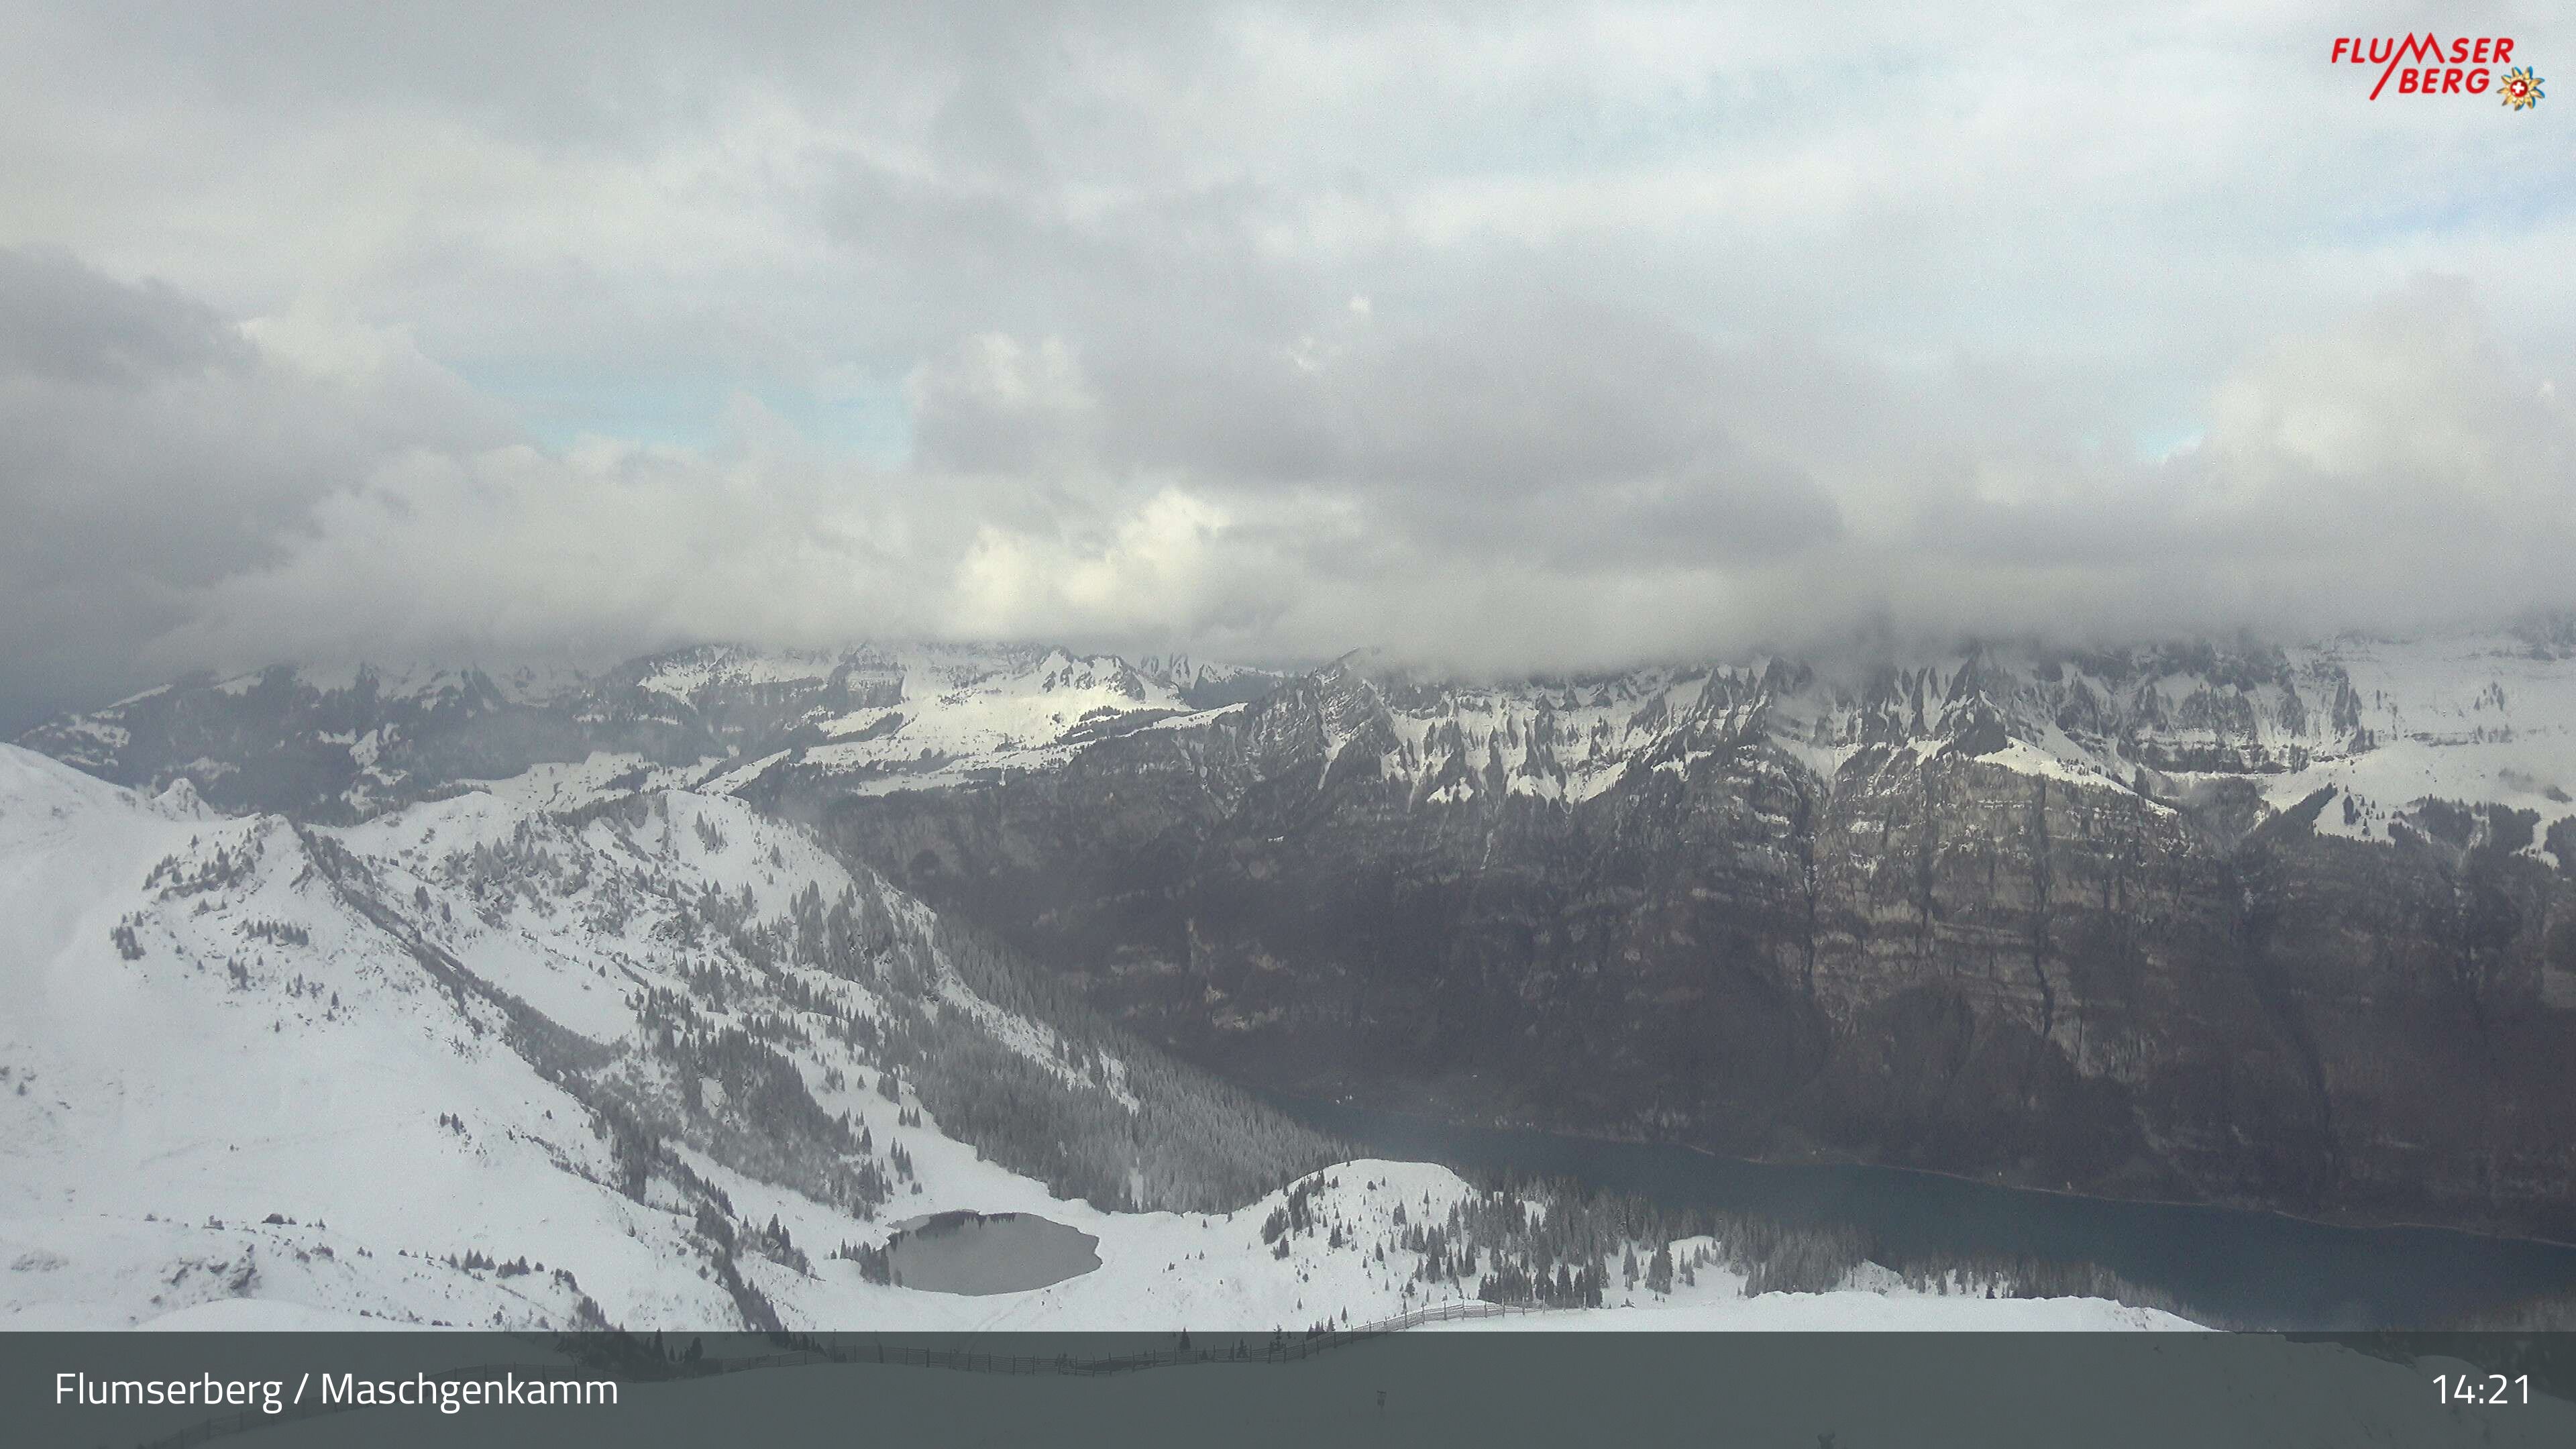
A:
(1503, 338)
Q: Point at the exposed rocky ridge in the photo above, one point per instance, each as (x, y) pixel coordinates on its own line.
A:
(2279, 926)
(1999, 917)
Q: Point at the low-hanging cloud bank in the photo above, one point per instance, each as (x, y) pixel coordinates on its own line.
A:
(1527, 488)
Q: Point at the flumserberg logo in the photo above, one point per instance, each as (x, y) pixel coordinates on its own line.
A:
(2426, 65)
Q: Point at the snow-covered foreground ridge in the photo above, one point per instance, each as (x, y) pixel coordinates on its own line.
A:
(655, 1062)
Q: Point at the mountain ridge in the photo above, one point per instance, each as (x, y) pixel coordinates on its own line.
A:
(658, 1061)
(343, 743)
(2284, 926)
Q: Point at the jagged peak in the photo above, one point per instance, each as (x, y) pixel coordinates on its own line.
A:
(180, 801)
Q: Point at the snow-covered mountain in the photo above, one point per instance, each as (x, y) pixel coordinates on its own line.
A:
(2180, 920)
(2287, 927)
(656, 1061)
(2384, 724)
(340, 744)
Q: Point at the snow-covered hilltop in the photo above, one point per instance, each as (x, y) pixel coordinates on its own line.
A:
(256, 1060)
(655, 1061)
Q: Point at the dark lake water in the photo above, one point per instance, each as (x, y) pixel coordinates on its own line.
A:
(2251, 1269)
(978, 1253)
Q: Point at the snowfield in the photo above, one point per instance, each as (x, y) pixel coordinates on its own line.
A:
(487, 1062)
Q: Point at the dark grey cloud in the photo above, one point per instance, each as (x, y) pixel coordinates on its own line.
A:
(149, 449)
(61, 322)
(1552, 426)
(1528, 394)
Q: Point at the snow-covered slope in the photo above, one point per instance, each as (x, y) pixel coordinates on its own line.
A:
(923, 717)
(343, 743)
(656, 1061)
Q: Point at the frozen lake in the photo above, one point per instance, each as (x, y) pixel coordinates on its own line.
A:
(978, 1253)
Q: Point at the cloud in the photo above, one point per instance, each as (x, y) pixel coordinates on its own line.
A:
(290, 490)
(2395, 470)
(995, 403)
(61, 323)
(1505, 336)
(150, 448)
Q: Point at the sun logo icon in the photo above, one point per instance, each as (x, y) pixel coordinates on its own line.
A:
(2520, 88)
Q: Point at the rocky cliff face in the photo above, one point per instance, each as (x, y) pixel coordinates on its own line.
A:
(2292, 927)
(2143, 925)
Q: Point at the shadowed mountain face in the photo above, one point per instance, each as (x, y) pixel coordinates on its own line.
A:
(2281, 927)
(1923, 942)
